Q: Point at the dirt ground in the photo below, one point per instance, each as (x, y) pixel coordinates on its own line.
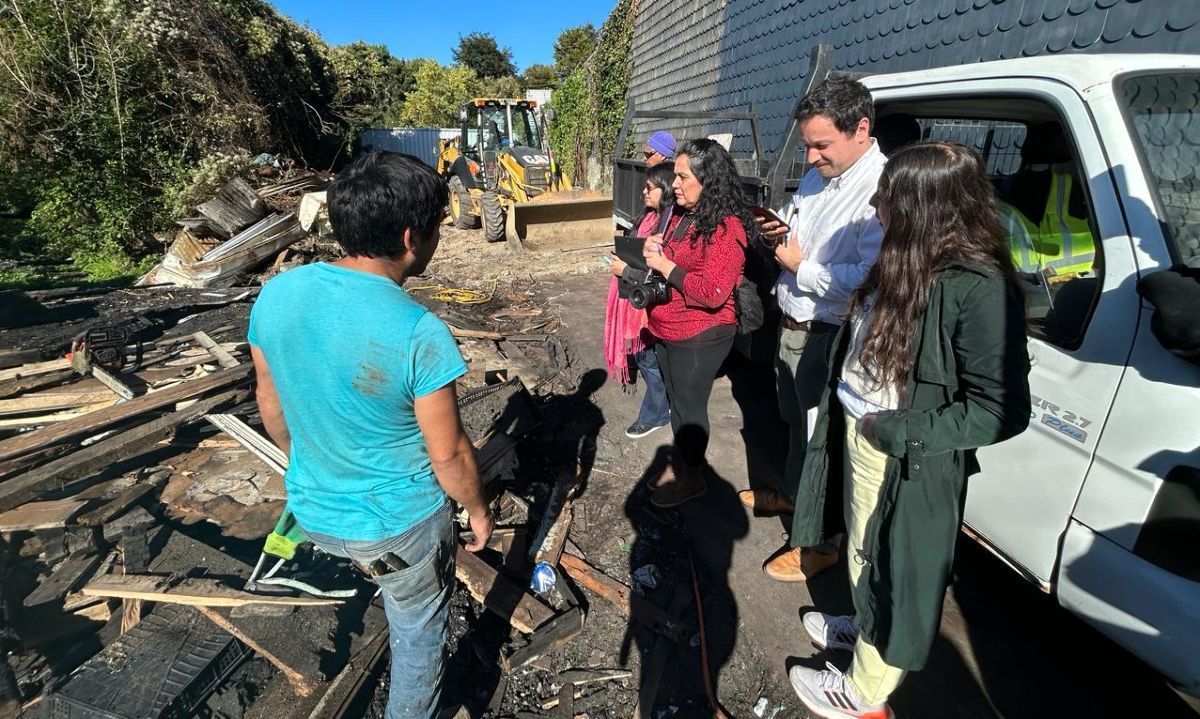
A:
(463, 254)
(1005, 649)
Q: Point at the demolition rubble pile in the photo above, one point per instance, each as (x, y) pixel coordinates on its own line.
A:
(137, 486)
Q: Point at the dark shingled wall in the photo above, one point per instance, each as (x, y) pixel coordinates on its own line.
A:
(715, 55)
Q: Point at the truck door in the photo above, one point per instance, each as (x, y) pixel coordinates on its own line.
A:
(1130, 560)
(1081, 323)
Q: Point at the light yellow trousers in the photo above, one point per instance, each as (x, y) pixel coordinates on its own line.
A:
(873, 678)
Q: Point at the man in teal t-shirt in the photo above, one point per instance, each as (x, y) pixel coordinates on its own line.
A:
(356, 384)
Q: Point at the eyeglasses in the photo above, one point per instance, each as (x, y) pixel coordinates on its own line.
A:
(649, 153)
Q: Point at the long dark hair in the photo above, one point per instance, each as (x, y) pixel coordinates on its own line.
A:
(722, 196)
(661, 176)
(939, 208)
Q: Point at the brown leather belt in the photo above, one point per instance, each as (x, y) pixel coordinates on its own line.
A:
(807, 325)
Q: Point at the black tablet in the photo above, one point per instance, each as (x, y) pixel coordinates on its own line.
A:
(629, 249)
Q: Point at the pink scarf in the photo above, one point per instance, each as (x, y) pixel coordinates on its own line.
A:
(624, 325)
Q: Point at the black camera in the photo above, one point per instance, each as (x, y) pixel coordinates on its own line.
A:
(653, 291)
(643, 288)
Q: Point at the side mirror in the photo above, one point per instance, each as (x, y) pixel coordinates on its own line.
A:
(1175, 295)
(550, 114)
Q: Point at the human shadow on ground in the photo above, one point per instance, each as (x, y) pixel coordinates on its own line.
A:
(690, 549)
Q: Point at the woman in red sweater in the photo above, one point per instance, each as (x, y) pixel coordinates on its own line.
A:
(701, 255)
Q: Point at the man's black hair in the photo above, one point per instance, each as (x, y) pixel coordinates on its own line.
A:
(844, 101)
(380, 195)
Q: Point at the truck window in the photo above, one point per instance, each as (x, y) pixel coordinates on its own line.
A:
(1162, 111)
(1044, 208)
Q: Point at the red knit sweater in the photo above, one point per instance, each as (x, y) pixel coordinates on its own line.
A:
(710, 272)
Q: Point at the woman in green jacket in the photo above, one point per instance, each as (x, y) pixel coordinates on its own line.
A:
(930, 365)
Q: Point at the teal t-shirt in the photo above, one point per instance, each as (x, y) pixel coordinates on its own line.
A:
(349, 353)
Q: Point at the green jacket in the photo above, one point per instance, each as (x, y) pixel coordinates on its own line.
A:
(969, 388)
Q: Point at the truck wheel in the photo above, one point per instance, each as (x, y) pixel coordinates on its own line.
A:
(493, 217)
(460, 205)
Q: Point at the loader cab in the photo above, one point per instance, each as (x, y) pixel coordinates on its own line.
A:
(492, 127)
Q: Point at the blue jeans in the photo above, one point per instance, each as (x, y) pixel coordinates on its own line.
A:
(417, 603)
(655, 411)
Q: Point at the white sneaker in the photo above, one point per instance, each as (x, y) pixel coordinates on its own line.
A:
(831, 632)
(827, 694)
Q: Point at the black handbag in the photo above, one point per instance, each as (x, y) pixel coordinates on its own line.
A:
(748, 305)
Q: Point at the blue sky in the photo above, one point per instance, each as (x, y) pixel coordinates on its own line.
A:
(424, 28)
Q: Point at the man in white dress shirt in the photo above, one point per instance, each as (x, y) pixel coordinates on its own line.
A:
(825, 250)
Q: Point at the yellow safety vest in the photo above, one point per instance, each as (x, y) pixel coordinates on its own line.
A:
(1059, 241)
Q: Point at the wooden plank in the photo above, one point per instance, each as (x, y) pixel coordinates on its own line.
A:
(76, 570)
(41, 420)
(14, 387)
(349, 684)
(634, 606)
(103, 419)
(35, 368)
(302, 685)
(246, 436)
(517, 606)
(474, 334)
(124, 500)
(55, 475)
(52, 514)
(192, 591)
(53, 401)
(110, 381)
(559, 632)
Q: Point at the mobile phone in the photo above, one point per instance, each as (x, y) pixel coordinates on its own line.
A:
(767, 214)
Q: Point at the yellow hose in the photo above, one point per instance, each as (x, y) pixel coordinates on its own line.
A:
(454, 294)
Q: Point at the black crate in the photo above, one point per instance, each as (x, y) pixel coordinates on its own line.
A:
(165, 667)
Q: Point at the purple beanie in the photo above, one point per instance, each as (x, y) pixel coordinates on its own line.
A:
(663, 143)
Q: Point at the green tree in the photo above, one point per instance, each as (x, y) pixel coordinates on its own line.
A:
(371, 85)
(479, 51)
(500, 87)
(540, 76)
(573, 47)
(438, 92)
(112, 110)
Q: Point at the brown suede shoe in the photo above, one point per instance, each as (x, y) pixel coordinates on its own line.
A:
(765, 502)
(797, 564)
(688, 485)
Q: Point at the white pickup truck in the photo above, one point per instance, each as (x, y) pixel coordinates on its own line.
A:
(1098, 502)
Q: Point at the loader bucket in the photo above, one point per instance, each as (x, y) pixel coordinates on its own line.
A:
(560, 221)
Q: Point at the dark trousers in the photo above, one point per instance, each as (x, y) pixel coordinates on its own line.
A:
(689, 368)
(655, 412)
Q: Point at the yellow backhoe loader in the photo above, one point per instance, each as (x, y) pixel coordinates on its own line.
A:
(502, 175)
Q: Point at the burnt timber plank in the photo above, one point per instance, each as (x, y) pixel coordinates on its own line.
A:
(517, 606)
(102, 419)
(52, 514)
(56, 474)
(123, 501)
(76, 570)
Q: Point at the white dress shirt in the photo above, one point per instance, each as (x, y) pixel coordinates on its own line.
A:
(837, 228)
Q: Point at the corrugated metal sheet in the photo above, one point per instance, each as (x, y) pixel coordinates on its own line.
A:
(420, 142)
(709, 56)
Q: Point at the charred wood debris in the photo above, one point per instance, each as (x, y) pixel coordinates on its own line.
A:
(137, 485)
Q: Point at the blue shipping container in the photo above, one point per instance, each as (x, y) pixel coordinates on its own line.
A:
(420, 142)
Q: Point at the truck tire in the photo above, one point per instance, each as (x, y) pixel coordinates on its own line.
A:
(460, 205)
(493, 217)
